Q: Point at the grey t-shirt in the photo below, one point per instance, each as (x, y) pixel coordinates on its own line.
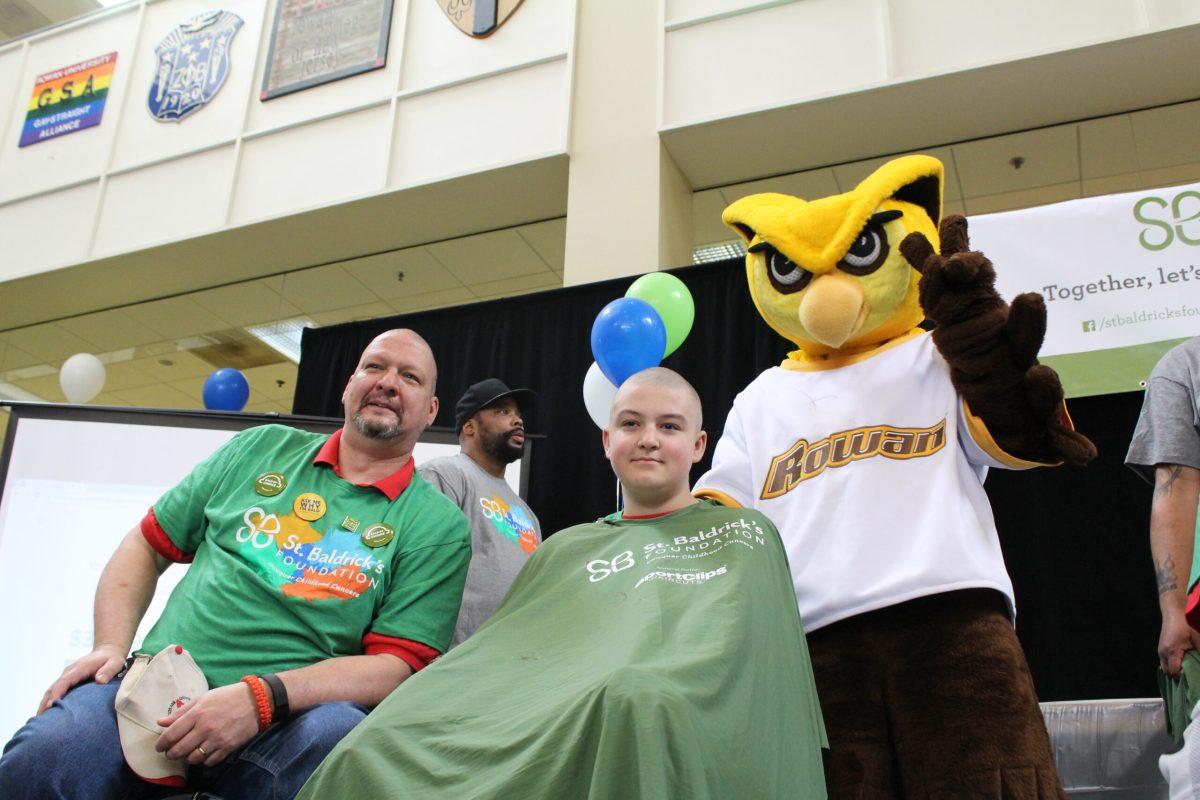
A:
(504, 531)
(1168, 430)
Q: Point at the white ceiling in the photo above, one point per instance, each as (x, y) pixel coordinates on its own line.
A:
(1149, 71)
(19, 17)
(150, 348)
(1119, 153)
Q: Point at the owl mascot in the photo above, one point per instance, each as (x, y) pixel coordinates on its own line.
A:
(867, 447)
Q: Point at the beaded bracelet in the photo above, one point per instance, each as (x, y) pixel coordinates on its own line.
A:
(260, 700)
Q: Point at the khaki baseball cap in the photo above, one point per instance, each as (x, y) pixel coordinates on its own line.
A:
(155, 687)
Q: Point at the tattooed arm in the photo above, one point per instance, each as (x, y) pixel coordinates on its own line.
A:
(1172, 532)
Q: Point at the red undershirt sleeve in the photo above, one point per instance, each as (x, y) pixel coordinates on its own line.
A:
(416, 655)
(162, 543)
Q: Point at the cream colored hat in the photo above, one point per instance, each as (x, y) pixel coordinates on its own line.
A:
(155, 687)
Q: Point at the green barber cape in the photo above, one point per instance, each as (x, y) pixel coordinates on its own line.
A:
(655, 658)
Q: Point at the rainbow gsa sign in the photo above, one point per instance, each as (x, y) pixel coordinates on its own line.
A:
(69, 99)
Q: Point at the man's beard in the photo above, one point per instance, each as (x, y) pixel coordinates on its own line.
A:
(376, 430)
(501, 447)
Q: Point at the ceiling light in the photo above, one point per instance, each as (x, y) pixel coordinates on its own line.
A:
(10, 392)
(718, 252)
(25, 373)
(283, 336)
(110, 3)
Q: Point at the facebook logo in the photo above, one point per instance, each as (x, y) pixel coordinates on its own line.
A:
(1089, 325)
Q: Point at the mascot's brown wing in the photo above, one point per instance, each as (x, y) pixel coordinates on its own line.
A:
(992, 348)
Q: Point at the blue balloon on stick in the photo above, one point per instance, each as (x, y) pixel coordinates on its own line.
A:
(628, 336)
(226, 390)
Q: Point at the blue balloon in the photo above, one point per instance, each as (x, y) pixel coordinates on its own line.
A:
(628, 336)
(226, 390)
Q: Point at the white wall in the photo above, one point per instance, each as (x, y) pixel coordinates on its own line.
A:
(79, 156)
(444, 105)
(728, 57)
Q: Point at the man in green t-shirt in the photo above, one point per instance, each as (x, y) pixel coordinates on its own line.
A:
(655, 653)
(324, 572)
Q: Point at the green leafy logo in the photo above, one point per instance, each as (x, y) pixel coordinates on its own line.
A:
(1168, 220)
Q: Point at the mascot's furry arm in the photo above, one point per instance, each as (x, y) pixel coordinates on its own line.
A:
(992, 348)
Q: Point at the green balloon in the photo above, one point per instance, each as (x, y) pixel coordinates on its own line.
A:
(673, 302)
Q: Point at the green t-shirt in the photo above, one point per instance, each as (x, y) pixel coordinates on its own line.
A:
(1194, 575)
(659, 658)
(275, 585)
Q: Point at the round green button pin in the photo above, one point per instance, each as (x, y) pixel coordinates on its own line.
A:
(378, 535)
(270, 484)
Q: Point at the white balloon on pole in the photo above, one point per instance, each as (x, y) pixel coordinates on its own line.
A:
(81, 377)
(598, 394)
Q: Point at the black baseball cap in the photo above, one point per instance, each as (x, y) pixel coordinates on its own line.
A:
(481, 395)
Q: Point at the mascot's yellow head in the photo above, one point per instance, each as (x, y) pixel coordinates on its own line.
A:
(828, 274)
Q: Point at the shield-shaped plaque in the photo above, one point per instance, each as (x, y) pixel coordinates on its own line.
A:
(478, 18)
(193, 61)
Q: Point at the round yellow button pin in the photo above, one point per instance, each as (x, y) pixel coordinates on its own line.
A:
(309, 506)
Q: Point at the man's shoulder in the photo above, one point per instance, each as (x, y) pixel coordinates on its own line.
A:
(1181, 363)
(444, 465)
(432, 508)
(277, 435)
(263, 442)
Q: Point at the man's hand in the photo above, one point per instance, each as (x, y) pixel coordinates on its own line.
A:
(1176, 638)
(99, 665)
(209, 729)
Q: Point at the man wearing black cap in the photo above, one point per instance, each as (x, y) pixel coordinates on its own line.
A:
(489, 420)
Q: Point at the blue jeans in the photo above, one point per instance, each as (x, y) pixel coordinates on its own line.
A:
(72, 751)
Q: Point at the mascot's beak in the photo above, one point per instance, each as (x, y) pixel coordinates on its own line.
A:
(833, 309)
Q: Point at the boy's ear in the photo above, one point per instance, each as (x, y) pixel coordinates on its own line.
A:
(700, 446)
(604, 440)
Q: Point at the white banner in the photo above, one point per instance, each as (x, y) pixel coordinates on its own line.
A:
(1118, 274)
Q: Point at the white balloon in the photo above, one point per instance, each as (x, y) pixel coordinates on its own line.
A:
(598, 394)
(81, 377)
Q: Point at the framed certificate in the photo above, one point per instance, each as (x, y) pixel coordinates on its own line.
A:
(318, 41)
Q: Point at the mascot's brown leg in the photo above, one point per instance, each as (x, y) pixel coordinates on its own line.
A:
(955, 700)
(859, 764)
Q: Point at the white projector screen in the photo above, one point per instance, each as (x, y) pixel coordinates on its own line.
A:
(74, 481)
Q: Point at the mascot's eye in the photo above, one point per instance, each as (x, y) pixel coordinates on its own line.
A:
(786, 275)
(868, 252)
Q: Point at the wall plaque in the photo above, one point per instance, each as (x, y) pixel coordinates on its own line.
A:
(193, 62)
(318, 41)
(479, 18)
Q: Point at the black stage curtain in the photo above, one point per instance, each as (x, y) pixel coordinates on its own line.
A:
(1075, 539)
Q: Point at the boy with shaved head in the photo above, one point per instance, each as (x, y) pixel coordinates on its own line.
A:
(656, 652)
